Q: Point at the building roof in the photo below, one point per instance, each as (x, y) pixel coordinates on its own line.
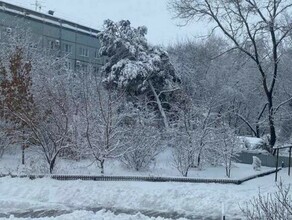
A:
(17, 10)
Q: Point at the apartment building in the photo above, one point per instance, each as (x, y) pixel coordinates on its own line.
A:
(79, 43)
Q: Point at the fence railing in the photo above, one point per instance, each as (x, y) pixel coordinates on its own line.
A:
(142, 178)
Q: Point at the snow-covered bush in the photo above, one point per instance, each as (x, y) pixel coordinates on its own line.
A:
(183, 155)
(145, 147)
(256, 163)
(143, 137)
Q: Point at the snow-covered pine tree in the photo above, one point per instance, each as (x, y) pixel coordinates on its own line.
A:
(135, 66)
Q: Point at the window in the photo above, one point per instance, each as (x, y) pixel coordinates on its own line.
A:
(96, 54)
(84, 67)
(68, 65)
(83, 52)
(68, 48)
(51, 44)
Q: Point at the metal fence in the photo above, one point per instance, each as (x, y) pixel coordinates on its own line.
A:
(143, 178)
(267, 159)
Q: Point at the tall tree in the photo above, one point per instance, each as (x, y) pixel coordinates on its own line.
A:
(257, 28)
(136, 66)
(34, 92)
(98, 121)
(15, 97)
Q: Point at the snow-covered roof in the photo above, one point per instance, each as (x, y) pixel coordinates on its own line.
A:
(17, 10)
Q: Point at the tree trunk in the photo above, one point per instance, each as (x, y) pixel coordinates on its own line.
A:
(102, 167)
(52, 165)
(53, 162)
(273, 136)
(161, 110)
(257, 130)
(22, 158)
(199, 160)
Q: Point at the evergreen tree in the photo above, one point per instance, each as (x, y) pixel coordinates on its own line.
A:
(135, 66)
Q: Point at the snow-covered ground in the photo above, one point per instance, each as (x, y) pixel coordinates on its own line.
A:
(11, 163)
(80, 198)
(20, 194)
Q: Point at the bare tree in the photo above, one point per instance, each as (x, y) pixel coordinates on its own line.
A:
(51, 132)
(99, 121)
(256, 28)
(144, 138)
(192, 135)
(226, 148)
(34, 96)
(207, 71)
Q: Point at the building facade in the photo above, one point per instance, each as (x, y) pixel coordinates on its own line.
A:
(65, 38)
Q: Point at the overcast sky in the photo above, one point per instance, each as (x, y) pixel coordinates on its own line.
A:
(162, 29)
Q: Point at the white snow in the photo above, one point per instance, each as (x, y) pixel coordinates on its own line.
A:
(11, 163)
(18, 194)
(252, 143)
(197, 199)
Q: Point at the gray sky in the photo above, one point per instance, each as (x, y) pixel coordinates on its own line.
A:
(162, 29)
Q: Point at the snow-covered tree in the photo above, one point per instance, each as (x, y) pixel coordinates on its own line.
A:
(256, 28)
(209, 71)
(15, 94)
(52, 130)
(226, 148)
(192, 134)
(34, 96)
(195, 130)
(143, 137)
(135, 66)
(99, 121)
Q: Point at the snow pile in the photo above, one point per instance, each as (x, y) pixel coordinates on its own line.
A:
(253, 143)
(256, 163)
